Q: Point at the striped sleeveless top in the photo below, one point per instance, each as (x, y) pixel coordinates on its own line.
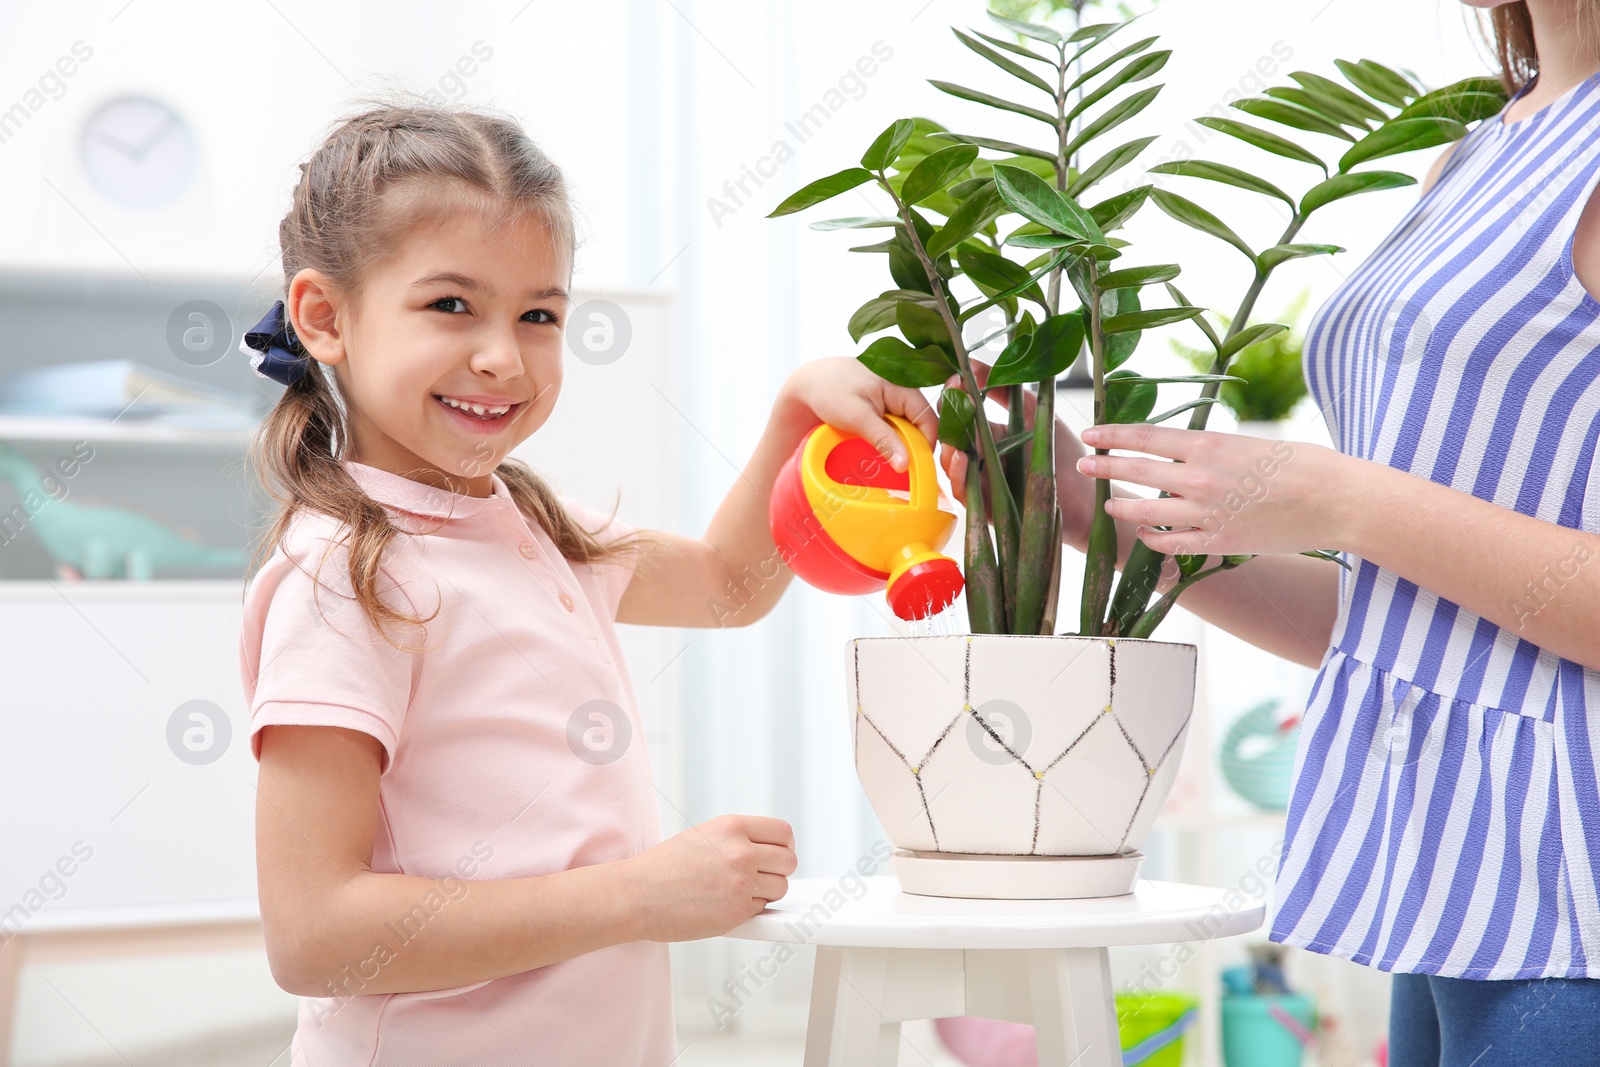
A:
(1445, 815)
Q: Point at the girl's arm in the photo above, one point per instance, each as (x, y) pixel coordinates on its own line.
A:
(734, 575)
(1526, 575)
(336, 928)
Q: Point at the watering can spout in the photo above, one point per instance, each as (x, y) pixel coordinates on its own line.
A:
(847, 522)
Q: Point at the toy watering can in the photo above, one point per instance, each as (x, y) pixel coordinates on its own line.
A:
(847, 522)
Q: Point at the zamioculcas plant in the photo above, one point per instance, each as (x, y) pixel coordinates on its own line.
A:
(1021, 229)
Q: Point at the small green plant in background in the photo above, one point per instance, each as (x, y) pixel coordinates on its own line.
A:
(1272, 376)
(1027, 229)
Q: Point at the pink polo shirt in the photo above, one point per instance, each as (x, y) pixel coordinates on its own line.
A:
(512, 747)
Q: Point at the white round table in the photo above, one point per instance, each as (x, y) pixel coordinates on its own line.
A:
(887, 957)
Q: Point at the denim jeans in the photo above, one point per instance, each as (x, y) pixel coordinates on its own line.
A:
(1462, 1022)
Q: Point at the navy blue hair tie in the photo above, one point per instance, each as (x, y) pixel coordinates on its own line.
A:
(274, 351)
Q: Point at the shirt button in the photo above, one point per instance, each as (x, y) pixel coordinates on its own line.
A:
(566, 601)
(528, 549)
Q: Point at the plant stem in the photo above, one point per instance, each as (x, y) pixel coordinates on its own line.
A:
(1101, 561)
(1142, 571)
(1005, 512)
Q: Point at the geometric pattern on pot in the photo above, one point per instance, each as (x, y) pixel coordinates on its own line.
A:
(1031, 746)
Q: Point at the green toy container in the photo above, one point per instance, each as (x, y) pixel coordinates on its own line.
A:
(1150, 1027)
(1253, 1036)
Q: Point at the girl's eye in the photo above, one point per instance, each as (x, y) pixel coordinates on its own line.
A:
(548, 316)
(446, 300)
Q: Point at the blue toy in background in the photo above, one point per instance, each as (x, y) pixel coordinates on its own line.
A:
(1258, 756)
(1264, 1022)
(95, 541)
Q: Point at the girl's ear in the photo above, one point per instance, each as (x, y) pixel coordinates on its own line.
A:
(313, 308)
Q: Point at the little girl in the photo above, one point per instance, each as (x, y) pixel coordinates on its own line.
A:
(459, 852)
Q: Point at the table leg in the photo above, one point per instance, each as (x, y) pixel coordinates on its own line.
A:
(1074, 1008)
(847, 1026)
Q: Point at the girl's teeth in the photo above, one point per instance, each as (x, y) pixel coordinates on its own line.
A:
(478, 410)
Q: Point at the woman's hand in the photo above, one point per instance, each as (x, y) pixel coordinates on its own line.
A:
(1231, 494)
(843, 392)
(1075, 492)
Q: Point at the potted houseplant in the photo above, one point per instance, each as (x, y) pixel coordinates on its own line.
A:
(1013, 761)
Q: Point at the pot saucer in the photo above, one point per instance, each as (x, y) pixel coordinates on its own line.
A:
(961, 874)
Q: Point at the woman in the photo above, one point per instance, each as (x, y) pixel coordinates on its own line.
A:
(1445, 818)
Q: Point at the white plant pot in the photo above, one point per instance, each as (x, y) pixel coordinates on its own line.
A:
(1013, 766)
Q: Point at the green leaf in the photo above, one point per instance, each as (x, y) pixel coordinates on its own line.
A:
(973, 309)
(1221, 172)
(1191, 214)
(876, 314)
(1106, 64)
(1012, 443)
(1112, 161)
(886, 148)
(1393, 80)
(963, 93)
(998, 146)
(1094, 34)
(996, 274)
(1328, 554)
(858, 223)
(937, 171)
(1401, 135)
(1198, 320)
(823, 189)
(1250, 335)
(1136, 70)
(1462, 107)
(1343, 185)
(881, 246)
(1113, 211)
(1327, 107)
(1280, 253)
(1182, 379)
(1114, 116)
(1263, 139)
(1331, 89)
(922, 326)
(1028, 29)
(1042, 355)
(1136, 276)
(1147, 320)
(1033, 198)
(1016, 70)
(895, 361)
(977, 210)
(1042, 240)
(1132, 399)
(1117, 348)
(1292, 115)
(1016, 49)
(1180, 409)
(1374, 83)
(956, 411)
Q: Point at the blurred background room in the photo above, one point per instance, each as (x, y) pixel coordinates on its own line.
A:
(147, 150)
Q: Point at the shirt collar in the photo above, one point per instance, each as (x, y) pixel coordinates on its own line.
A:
(419, 498)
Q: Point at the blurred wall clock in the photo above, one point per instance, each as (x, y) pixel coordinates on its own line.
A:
(138, 152)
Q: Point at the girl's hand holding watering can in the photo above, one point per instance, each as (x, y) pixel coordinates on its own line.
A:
(842, 392)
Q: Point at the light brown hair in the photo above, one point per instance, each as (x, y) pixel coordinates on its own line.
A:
(377, 175)
(1512, 29)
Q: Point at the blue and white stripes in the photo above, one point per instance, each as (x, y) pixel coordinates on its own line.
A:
(1445, 817)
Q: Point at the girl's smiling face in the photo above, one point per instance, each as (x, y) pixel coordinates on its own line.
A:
(461, 315)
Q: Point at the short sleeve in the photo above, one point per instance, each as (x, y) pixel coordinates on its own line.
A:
(613, 576)
(310, 656)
